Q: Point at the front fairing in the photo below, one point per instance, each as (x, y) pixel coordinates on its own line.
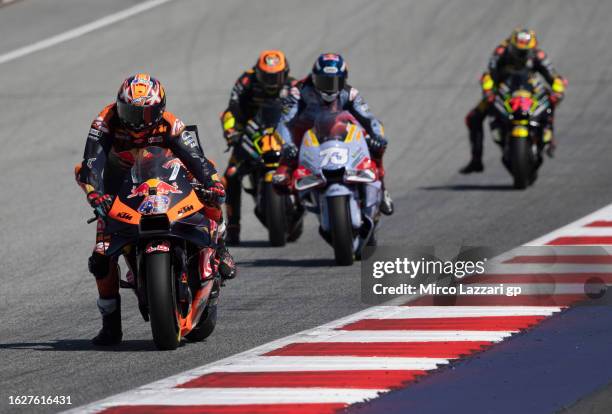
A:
(156, 187)
(517, 85)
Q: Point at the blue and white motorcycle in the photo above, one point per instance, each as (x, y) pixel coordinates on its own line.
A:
(337, 180)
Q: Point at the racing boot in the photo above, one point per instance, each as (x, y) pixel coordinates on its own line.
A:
(474, 122)
(372, 241)
(474, 166)
(111, 333)
(227, 265)
(386, 204)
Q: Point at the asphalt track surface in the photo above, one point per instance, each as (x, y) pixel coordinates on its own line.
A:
(416, 63)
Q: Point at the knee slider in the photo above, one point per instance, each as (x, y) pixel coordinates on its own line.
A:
(99, 265)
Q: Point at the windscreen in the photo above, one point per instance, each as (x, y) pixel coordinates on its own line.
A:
(155, 162)
(333, 125)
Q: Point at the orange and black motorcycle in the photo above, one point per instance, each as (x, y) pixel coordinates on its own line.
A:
(169, 244)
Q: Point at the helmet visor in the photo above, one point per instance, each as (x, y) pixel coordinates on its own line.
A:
(271, 81)
(138, 117)
(328, 84)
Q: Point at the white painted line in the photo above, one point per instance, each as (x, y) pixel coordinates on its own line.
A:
(406, 336)
(407, 312)
(81, 30)
(325, 363)
(238, 396)
(552, 268)
(560, 250)
(604, 213)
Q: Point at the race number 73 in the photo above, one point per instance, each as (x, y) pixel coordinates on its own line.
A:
(334, 155)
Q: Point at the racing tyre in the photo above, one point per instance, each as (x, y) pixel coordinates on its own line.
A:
(276, 217)
(162, 302)
(341, 230)
(520, 163)
(206, 326)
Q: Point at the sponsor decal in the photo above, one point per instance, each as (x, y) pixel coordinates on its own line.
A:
(161, 247)
(124, 215)
(330, 69)
(154, 204)
(177, 127)
(188, 139)
(162, 188)
(185, 209)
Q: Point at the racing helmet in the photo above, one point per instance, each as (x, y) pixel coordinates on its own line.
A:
(329, 74)
(272, 70)
(141, 102)
(523, 43)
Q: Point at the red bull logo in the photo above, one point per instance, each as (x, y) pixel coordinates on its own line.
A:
(165, 188)
(161, 188)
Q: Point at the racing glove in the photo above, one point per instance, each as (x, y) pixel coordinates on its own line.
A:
(558, 90)
(289, 151)
(212, 193)
(376, 145)
(101, 203)
(488, 87)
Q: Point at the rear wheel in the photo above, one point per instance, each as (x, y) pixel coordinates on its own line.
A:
(206, 326)
(161, 299)
(520, 163)
(341, 230)
(276, 216)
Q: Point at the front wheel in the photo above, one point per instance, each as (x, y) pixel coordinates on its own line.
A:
(520, 163)
(341, 230)
(162, 304)
(276, 215)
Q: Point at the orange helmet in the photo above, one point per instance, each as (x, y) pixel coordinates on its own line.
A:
(522, 44)
(141, 102)
(272, 70)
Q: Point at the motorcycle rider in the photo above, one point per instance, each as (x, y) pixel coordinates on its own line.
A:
(135, 120)
(268, 81)
(517, 53)
(325, 89)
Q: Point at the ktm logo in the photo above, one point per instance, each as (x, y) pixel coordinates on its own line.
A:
(124, 215)
(185, 209)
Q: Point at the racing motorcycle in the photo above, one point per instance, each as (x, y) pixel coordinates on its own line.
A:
(169, 246)
(262, 145)
(521, 106)
(337, 180)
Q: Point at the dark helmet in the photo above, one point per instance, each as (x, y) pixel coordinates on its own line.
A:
(272, 70)
(329, 74)
(523, 43)
(141, 102)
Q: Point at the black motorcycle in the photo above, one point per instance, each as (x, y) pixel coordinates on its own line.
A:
(521, 107)
(260, 151)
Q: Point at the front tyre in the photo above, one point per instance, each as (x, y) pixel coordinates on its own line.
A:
(161, 298)
(341, 230)
(520, 162)
(276, 216)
